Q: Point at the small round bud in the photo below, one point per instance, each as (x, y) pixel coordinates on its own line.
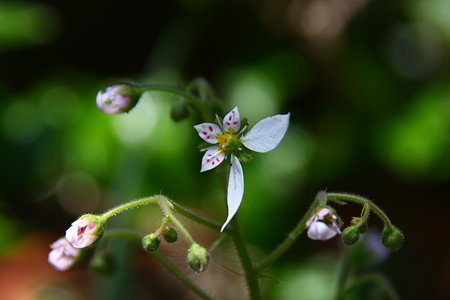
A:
(363, 228)
(197, 258)
(103, 262)
(170, 235)
(179, 111)
(392, 238)
(151, 242)
(117, 99)
(350, 235)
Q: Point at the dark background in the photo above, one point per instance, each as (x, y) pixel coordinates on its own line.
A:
(367, 85)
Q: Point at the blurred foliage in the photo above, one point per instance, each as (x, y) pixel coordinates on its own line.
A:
(367, 83)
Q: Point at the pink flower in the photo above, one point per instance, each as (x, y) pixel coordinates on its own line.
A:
(85, 231)
(63, 255)
(117, 99)
(322, 225)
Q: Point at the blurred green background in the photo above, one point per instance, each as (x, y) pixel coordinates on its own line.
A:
(368, 87)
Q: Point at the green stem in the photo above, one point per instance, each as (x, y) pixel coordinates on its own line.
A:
(195, 102)
(250, 278)
(194, 216)
(166, 207)
(375, 278)
(180, 276)
(163, 261)
(293, 235)
(130, 205)
(362, 201)
(218, 242)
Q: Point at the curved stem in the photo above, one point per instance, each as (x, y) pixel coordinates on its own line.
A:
(130, 205)
(194, 216)
(290, 239)
(163, 261)
(362, 201)
(195, 102)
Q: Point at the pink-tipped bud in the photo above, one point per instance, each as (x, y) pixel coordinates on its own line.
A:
(85, 231)
(322, 225)
(117, 99)
(63, 255)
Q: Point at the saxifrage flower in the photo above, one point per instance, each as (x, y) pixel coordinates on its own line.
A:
(229, 140)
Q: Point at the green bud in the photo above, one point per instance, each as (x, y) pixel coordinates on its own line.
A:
(103, 262)
(363, 228)
(350, 235)
(392, 238)
(150, 242)
(170, 235)
(179, 111)
(197, 258)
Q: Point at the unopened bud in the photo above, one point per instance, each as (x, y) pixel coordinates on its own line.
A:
(85, 231)
(179, 111)
(197, 258)
(103, 262)
(170, 235)
(350, 235)
(392, 238)
(118, 99)
(151, 242)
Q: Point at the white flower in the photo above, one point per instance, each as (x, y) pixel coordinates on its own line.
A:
(322, 225)
(85, 231)
(228, 140)
(63, 255)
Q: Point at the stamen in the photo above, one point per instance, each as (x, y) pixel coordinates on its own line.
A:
(219, 122)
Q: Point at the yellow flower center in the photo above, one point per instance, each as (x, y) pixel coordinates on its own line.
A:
(223, 140)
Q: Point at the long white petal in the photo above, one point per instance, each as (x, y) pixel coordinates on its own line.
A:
(235, 189)
(208, 132)
(321, 231)
(267, 133)
(212, 158)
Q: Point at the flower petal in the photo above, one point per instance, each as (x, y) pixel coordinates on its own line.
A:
(232, 120)
(321, 231)
(267, 133)
(208, 132)
(235, 189)
(212, 158)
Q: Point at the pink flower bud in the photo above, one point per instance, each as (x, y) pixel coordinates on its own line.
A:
(117, 99)
(63, 256)
(322, 225)
(85, 231)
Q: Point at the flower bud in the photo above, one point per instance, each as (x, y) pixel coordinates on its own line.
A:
(63, 255)
(392, 238)
(170, 235)
(117, 99)
(363, 228)
(150, 242)
(350, 235)
(197, 258)
(85, 231)
(179, 111)
(103, 262)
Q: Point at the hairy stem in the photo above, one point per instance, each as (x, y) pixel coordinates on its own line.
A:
(292, 236)
(164, 262)
(362, 201)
